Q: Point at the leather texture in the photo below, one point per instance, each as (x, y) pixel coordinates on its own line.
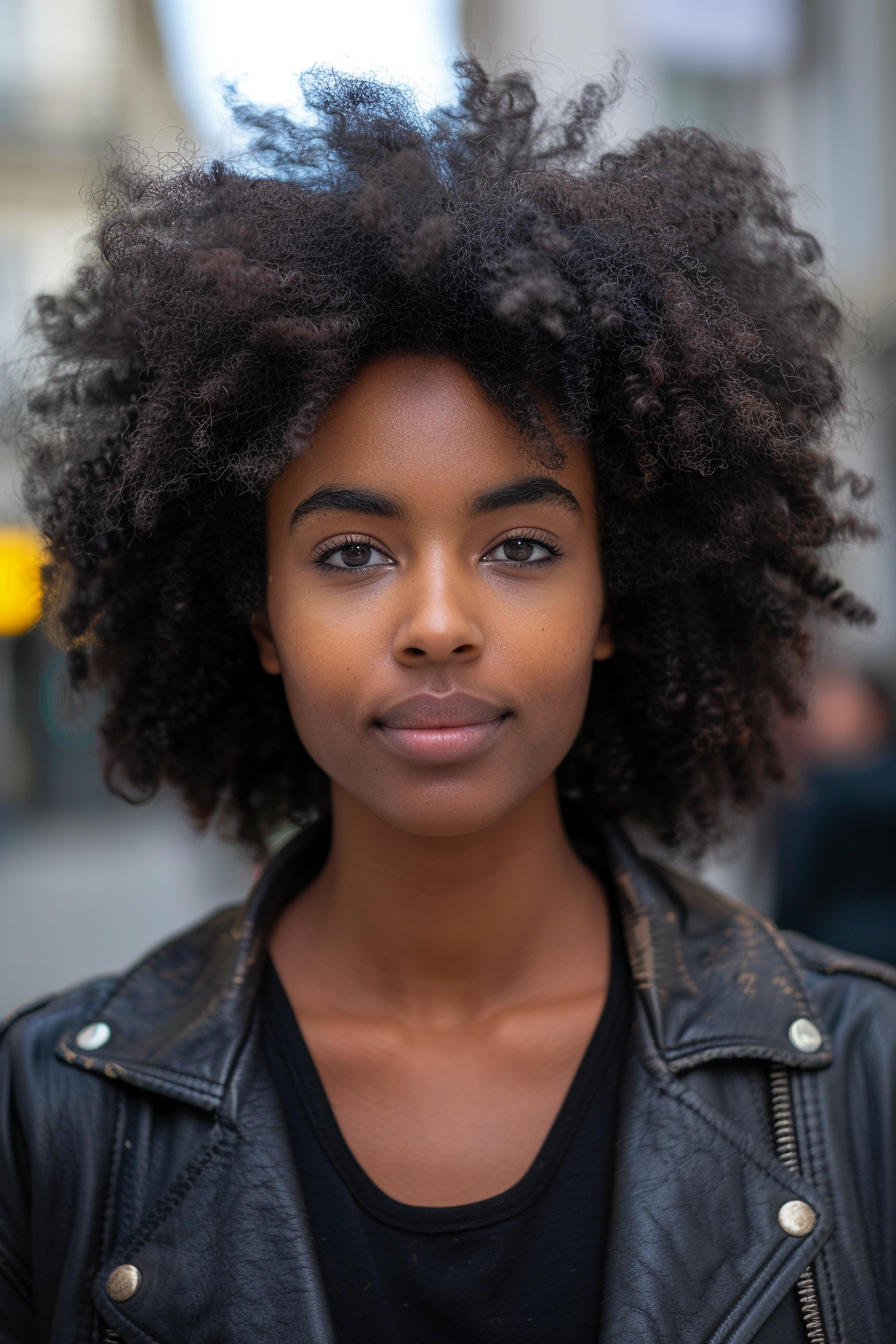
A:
(166, 1148)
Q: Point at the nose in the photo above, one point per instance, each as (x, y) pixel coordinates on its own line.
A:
(439, 625)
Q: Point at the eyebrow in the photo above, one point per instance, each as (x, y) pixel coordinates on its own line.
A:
(342, 499)
(527, 490)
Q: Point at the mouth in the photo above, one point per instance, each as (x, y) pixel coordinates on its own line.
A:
(442, 729)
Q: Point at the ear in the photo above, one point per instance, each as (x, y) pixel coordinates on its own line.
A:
(605, 646)
(267, 649)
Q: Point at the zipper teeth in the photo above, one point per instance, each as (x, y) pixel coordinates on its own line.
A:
(786, 1148)
(808, 1295)
(782, 1119)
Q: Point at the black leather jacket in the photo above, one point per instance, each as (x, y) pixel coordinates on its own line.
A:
(165, 1148)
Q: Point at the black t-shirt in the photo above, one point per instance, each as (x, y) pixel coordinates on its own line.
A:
(522, 1266)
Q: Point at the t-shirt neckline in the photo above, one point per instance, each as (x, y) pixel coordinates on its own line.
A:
(479, 1213)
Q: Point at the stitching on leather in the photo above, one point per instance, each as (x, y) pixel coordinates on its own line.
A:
(755, 1157)
(822, 960)
(745, 1048)
(110, 1231)
(122, 1068)
(207, 1086)
(177, 1192)
(677, 1091)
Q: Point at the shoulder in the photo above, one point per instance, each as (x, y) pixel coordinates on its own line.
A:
(31, 1031)
(816, 959)
(821, 960)
(855, 996)
(33, 1071)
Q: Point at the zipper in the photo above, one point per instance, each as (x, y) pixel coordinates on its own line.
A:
(784, 1131)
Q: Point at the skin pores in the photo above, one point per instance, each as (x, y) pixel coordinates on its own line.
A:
(434, 599)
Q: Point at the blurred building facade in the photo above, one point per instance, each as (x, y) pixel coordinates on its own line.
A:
(86, 883)
(75, 76)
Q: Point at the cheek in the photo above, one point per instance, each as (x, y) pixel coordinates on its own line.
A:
(555, 644)
(322, 672)
(331, 654)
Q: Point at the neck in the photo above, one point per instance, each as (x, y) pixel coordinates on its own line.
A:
(445, 926)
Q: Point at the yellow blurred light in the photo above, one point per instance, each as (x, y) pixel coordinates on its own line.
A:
(21, 556)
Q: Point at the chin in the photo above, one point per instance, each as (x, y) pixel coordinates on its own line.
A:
(443, 817)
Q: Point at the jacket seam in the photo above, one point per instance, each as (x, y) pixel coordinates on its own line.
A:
(179, 1190)
(846, 968)
(122, 1068)
(787, 1187)
(111, 1205)
(755, 1157)
(209, 1086)
(825, 961)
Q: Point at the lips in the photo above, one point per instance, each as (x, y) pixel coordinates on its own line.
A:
(442, 729)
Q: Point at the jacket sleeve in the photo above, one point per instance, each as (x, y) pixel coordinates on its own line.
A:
(17, 1319)
(56, 1137)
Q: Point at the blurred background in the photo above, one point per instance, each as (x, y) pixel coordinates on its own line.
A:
(87, 882)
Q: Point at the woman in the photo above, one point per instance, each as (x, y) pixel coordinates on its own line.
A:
(441, 491)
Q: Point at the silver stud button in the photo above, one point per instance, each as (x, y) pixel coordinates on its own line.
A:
(124, 1281)
(796, 1218)
(805, 1036)
(93, 1037)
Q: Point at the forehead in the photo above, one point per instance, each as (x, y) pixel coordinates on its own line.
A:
(421, 425)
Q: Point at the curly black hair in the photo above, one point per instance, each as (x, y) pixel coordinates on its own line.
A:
(659, 297)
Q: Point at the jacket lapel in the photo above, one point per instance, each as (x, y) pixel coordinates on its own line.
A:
(226, 1256)
(695, 1251)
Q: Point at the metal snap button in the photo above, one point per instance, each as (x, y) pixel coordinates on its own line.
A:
(796, 1218)
(123, 1282)
(805, 1036)
(93, 1037)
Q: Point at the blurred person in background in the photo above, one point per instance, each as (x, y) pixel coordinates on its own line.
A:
(446, 490)
(836, 841)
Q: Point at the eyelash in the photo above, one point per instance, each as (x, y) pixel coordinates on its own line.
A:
(320, 557)
(537, 539)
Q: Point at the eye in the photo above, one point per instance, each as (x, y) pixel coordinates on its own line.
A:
(356, 555)
(521, 551)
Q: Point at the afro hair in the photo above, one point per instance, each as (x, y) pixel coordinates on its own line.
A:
(659, 297)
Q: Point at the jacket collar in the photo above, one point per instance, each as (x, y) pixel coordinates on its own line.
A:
(716, 979)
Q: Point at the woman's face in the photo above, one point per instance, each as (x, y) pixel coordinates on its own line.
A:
(434, 601)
